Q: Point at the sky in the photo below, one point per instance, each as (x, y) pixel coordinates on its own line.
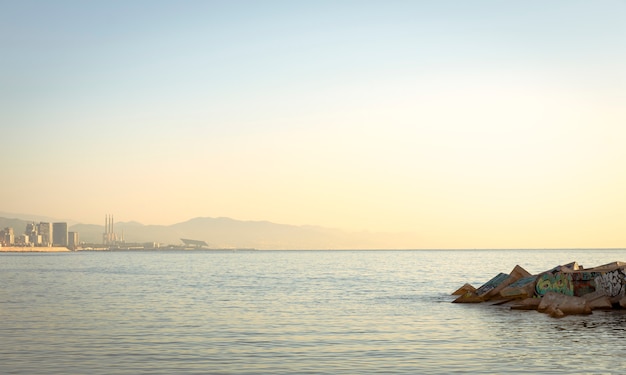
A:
(472, 124)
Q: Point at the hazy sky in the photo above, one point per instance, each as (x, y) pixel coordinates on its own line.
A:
(470, 123)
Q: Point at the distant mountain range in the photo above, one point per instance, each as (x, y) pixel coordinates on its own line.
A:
(224, 232)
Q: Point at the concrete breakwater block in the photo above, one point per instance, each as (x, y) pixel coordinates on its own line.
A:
(526, 304)
(522, 288)
(558, 305)
(467, 288)
(491, 289)
(598, 300)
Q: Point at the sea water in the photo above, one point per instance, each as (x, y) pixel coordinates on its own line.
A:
(290, 312)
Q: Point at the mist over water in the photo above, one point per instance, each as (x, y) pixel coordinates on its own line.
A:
(290, 312)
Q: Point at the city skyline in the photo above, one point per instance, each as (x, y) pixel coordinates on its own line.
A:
(471, 124)
(41, 234)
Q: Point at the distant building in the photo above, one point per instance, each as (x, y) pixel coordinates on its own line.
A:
(45, 231)
(194, 243)
(72, 240)
(59, 234)
(32, 233)
(7, 237)
(22, 240)
(30, 227)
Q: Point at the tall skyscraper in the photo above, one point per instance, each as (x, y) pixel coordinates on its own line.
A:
(72, 240)
(59, 231)
(45, 230)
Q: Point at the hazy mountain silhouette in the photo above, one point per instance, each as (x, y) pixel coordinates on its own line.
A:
(224, 232)
(36, 218)
(18, 225)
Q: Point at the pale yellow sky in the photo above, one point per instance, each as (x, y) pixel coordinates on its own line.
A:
(465, 126)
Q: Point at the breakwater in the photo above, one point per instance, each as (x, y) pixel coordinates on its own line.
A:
(33, 249)
(563, 290)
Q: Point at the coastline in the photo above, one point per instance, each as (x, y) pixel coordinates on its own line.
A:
(33, 249)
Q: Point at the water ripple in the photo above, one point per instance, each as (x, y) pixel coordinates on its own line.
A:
(347, 312)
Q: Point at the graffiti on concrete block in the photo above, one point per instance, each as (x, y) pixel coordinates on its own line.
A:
(584, 282)
(612, 283)
(558, 282)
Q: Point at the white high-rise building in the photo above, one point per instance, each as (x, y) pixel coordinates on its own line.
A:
(72, 240)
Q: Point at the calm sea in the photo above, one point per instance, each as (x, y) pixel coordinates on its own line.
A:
(290, 312)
